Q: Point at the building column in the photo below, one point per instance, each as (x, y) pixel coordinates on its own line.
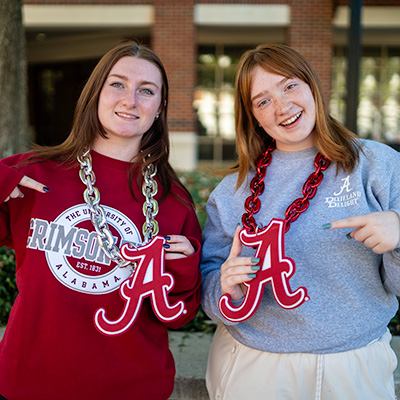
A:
(174, 39)
(311, 33)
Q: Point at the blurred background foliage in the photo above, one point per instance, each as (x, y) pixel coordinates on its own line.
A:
(200, 183)
(8, 286)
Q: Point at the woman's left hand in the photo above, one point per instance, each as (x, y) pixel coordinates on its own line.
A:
(379, 231)
(177, 246)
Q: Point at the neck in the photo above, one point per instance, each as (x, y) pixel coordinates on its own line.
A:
(120, 151)
(305, 144)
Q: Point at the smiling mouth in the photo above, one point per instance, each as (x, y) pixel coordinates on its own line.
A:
(292, 120)
(126, 115)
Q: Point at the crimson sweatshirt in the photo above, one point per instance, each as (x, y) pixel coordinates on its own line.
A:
(51, 348)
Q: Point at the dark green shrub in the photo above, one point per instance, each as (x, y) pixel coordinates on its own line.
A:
(394, 325)
(200, 184)
(8, 286)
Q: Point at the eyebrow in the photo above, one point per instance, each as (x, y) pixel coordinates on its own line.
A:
(261, 94)
(125, 78)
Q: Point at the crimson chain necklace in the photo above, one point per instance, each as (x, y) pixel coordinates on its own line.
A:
(253, 204)
(269, 242)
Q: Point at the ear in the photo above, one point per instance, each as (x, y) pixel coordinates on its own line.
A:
(162, 106)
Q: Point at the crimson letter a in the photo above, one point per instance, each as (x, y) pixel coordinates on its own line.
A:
(148, 280)
(276, 269)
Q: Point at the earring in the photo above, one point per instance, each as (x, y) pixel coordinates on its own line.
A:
(156, 118)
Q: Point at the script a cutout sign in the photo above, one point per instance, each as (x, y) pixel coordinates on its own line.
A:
(276, 269)
(148, 280)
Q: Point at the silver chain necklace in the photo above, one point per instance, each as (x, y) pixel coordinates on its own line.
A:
(98, 217)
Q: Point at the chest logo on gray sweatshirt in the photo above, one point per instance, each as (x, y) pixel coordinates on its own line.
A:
(73, 253)
(345, 196)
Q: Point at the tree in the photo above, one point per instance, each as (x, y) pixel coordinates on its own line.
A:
(14, 129)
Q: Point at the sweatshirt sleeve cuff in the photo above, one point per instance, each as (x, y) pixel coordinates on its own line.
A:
(186, 270)
(10, 177)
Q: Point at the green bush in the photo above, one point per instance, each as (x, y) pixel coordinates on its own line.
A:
(200, 184)
(394, 325)
(8, 285)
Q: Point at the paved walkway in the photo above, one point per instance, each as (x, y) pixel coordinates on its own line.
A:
(190, 351)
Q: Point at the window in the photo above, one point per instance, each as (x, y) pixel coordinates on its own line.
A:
(379, 98)
(214, 103)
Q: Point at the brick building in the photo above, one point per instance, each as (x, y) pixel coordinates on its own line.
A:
(200, 42)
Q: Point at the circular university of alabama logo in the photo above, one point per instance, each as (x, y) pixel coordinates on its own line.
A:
(73, 252)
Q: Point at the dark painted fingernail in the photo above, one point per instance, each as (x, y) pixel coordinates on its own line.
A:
(166, 246)
(21, 195)
(255, 267)
(349, 236)
(46, 189)
(167, 237)
(255, 260)
(251, 275)
(327, 226)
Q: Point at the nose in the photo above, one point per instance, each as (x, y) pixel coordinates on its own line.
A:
(282, 104)
(129, 100)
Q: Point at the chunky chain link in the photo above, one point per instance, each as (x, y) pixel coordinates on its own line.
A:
(309, 190)
(98, 216)
(253, 204)
(150, 205)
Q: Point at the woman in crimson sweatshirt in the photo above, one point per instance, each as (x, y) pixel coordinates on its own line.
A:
(107, 246)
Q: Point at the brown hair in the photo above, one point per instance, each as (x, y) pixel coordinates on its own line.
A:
(332, 139)
(86, 124)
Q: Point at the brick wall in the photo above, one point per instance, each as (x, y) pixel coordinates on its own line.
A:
(173, 39)
(241, 1)
(310, 32)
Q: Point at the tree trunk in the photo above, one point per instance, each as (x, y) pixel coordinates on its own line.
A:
(14, 129)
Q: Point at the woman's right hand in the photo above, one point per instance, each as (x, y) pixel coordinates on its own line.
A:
(29, 183)
(236, 270)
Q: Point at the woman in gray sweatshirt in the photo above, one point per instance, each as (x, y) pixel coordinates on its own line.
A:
(301, 254)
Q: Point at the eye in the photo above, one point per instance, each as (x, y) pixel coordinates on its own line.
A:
(116, 84)
(263, 102)
(290, 86)
(148, 92)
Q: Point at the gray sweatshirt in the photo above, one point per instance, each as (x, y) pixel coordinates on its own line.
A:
(352, 290)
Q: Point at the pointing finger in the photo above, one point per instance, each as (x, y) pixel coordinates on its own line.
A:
(32, 184)
(350, 222)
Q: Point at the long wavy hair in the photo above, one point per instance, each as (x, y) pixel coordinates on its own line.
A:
(86, 124)
(332, 139)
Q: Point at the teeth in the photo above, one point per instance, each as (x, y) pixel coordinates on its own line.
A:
(126, 115)
(291, 120)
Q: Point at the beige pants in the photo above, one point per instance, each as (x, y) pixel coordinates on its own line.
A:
(237, 372)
